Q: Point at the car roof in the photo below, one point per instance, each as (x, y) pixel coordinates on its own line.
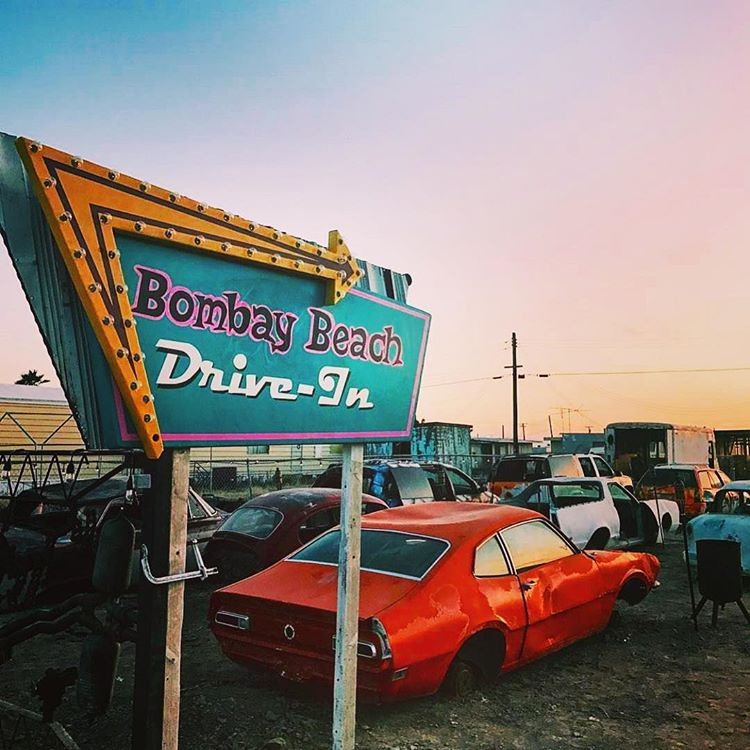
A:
(573, 480)
(299, 498)
(455, 522)
(533, 456)
(739, 484)
(684, 466)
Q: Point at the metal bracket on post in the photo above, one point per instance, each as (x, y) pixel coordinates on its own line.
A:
(203, 572)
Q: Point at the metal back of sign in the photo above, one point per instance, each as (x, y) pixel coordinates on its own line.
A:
(211, 329)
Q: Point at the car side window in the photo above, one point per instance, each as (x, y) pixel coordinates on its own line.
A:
(462, 485)
(436, 476)
(587, 466)
(534, 543)
(322, 520)
(618, 492)
(540, 500)
(705, 479)
(605, 470)
(195, 510)
(489, 559)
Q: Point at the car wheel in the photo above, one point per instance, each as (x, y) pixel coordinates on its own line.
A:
(461, 678)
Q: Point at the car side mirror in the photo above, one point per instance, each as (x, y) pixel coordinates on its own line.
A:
(708, 497)
(308, 533)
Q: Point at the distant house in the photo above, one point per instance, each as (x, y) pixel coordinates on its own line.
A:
(578, 442)
(36, 418)
(486, 450)
(447, 442)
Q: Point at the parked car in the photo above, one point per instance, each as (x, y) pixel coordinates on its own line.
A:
(690, 485)
(727, 517)
(270, 526)
(512, 474)
(407, 482)
(599, 513)
(449, 592)
(49, 536)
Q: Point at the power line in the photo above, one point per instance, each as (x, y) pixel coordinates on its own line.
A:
(642, 372)
(600, 372)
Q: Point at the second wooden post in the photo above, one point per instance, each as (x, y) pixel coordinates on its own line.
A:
(347, 607)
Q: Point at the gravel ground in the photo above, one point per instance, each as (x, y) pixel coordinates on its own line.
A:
(648, 682)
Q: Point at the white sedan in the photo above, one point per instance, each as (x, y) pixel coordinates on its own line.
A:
(598, 513)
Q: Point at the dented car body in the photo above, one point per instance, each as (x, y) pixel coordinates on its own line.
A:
(448, 590)
(728, 517)
(600, 513)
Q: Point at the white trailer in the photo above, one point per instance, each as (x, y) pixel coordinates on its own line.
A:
(634, 447)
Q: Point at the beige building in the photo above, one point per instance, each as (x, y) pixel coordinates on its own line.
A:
(36, 418)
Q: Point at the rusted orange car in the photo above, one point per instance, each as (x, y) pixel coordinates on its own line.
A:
(450, 592)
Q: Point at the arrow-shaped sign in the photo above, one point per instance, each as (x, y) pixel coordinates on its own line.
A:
(86, 204)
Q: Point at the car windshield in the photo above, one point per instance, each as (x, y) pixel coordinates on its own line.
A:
(733, 502)
(574, 493)
(253, 521)
(389, 552)
(520, 470)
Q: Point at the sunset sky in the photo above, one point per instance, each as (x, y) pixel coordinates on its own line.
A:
(577, 172)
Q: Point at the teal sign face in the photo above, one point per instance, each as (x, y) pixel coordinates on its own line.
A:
(237, 353)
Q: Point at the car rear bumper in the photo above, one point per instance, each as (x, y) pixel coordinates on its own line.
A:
(374, 680)
(377, 680)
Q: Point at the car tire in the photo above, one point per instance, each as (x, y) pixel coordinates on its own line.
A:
(461, 679)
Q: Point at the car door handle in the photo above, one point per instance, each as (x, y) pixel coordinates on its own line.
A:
(528, 585)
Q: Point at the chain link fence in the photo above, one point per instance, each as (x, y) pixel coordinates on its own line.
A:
(234, 479)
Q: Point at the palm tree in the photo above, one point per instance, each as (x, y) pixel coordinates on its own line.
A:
(32, 377)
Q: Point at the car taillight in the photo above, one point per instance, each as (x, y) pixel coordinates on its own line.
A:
(365, 649)
(380, 633)
(232, 620)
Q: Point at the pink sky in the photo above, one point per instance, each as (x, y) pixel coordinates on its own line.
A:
(577, 172)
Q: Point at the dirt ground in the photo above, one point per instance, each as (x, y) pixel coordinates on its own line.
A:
(648, 682)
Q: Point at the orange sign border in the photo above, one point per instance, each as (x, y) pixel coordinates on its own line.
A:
(85, 204)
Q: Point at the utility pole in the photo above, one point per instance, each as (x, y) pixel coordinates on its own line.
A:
(523, 430)
(515, 367)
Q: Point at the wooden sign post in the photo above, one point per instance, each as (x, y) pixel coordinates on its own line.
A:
(347, 603)
(156, 705)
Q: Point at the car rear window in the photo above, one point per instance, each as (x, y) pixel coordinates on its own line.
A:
(520, 470)
(389, 552)
(575, 493)
(659, 477)
(565, 466)
(331, 479)
(256, 522)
